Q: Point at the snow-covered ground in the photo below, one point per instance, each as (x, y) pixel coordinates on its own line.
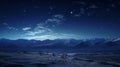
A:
(38, 59)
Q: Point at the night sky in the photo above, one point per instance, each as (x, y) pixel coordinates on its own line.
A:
(50, 19)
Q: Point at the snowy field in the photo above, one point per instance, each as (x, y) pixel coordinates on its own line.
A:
(42, 59)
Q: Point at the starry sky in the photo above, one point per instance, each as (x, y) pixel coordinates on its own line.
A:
(53, 19)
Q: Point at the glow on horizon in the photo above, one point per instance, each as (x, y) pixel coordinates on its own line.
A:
(52, 37)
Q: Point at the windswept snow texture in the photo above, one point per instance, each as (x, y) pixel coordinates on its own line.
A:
(60, 53)
(38, 59)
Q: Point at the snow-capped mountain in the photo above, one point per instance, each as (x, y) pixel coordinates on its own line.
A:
(63, 44)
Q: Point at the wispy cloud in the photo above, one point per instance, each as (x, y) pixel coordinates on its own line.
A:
(59, 16)
(55, 20)
(44, 30)
(9, 27)
(53, 36)
(39, 29)
(26, 28)
(5, 24)
(12, 28)
(42, 37)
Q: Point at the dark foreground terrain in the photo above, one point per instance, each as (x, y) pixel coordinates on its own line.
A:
(43, 59)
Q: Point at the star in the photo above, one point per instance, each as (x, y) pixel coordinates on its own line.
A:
(71, 12)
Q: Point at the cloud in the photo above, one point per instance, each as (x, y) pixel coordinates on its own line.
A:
(55, 20)
(43, 30)
(5, 24)
(53, 36)
(12, 28)
(43, 37)
(59, 16)
(9, 27)
(38, 32)
(32, 33)
(26, 28)
(39, 29)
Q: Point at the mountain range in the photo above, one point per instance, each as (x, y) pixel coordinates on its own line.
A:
(61, 45)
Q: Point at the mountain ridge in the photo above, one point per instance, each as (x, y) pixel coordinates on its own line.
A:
(60, 44)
